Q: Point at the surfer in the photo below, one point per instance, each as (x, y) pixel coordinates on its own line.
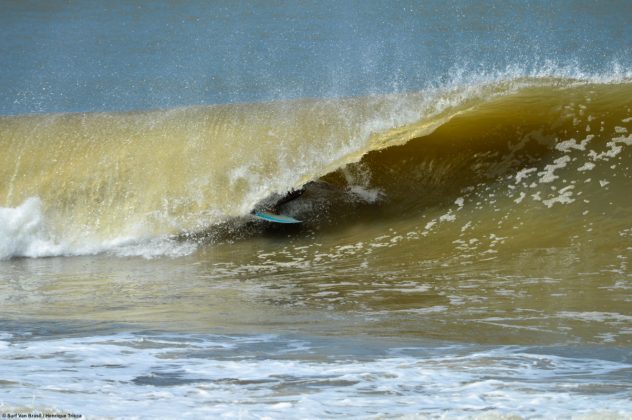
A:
(312, 186)
(272, 213)
(290, 196)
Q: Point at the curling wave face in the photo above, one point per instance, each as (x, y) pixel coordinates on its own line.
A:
(499, 157)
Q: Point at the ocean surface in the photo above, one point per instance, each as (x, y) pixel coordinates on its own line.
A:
(466, 241)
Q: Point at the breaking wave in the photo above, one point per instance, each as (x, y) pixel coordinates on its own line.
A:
(153, 183)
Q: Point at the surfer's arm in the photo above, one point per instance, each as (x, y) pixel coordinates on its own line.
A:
(292, 195)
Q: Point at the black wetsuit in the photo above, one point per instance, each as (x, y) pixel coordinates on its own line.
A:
(292, 195)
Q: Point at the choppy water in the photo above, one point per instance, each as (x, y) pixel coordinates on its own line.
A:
(293, 376)
(465, 248)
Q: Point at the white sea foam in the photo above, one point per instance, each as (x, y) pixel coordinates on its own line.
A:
(24, 232)
(588, 166)
(596, 316)
(568, 145)
(564, 197)
(520, 198)
(524, 173)
(180, 375)
(548, 175)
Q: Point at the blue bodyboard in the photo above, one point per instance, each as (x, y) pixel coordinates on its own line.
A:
(276, 218)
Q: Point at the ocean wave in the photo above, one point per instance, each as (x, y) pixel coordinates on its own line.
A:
(137, 183)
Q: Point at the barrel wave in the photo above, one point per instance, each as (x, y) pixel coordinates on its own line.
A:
(492, 160)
